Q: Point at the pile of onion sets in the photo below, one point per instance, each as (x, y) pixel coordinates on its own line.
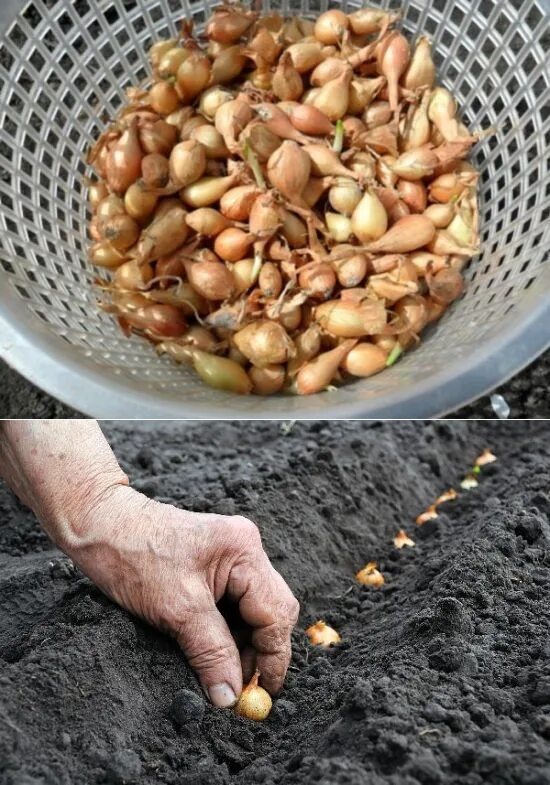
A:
(287, 203)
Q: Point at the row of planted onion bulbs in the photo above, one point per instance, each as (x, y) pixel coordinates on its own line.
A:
(288, 203)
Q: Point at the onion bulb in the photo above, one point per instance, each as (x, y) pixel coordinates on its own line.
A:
(121, 231)
(318, 281)
(254, 703)
(310, 120)
(270, 280)
(288, 170)
(96, 192)
(123, 166)
(158, 137)
(393, 59)
(227, 65)
(208, 190)
(325, 162)
(365, 359)
(345, 195)
(268, 380)
(348, 319)
(221, 373)
(193, 75)
(320, 634)
(264, 343)
(402, 540)
(187, 162)
(421, 71)
(212, 99)
(159, 49)
(212, 141)
(236, 203)
(155, 170)
(171, 60)
(407, 234)
(287, 83)
(210, 278)
(416, 164)
(370, 575)
(339, 227)
(369, 219)
(207, 221)
(333, 97)
(232, 244)
(317, 374)
(163, 236)
(331, 26)
(305, 55)
(163, 98)
(227, 24)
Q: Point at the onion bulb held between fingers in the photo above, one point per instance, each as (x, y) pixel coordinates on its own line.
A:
(254, 703)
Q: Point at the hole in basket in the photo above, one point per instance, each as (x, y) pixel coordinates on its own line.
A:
(111, 15)
(529, 64)
(7, 266)
(518, 251)
(529, 282)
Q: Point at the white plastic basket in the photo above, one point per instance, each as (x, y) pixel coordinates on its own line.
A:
(64, 65)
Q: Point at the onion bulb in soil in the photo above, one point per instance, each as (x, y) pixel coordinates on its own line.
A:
(320, 634)
(254, 703)
(370, 575)
(300, 188)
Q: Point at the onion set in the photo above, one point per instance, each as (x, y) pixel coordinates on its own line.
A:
(254, 702)
(286, 204)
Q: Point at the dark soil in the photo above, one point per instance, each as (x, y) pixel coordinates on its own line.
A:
(443, 675)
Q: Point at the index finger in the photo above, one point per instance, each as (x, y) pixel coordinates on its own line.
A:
(268, 605)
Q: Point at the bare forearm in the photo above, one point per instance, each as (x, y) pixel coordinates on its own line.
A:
(59, 469)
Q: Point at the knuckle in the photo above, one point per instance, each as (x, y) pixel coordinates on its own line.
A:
(294, 610)
(246, 529)
(274, 638)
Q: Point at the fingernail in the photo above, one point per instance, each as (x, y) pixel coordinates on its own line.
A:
(222, 696)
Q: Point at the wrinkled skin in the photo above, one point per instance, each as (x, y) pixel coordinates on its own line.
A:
(166, 565)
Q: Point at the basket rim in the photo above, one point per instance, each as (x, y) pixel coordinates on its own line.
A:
(43, 359)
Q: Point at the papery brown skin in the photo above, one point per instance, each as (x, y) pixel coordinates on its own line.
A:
(210, 278)
(163, 236)
(288, 169)
(123, 165)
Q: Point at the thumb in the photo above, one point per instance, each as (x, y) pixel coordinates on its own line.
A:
(206, 641)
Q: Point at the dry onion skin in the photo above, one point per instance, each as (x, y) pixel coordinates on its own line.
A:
(320, 634)
(297, 190)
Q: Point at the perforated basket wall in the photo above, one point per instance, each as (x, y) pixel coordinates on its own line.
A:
(64, 65)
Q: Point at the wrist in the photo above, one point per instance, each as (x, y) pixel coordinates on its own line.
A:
(91, 515)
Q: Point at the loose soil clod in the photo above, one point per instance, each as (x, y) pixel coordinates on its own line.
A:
(442, 676)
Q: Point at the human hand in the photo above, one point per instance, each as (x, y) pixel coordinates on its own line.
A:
(171, 567)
